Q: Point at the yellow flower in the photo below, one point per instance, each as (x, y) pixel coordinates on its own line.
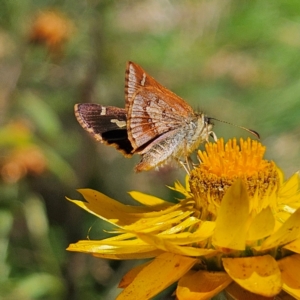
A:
(237, 230)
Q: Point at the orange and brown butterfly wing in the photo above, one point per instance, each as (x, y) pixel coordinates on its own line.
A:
(151, 108)
(107, 124)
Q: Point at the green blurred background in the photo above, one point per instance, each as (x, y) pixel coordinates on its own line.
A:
(238, 61)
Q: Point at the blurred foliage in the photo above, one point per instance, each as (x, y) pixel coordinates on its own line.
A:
(238, 61)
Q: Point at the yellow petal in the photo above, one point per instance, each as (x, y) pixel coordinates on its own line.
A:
(204, 231)
(293, 246)
(281, 217)
(165, 245)
(289, 191)
(231, 223)
(200, 285)
(288, 232)
(290, 272)
(129, 249)
(187, 183)
(130, 255)
(161, 222)
(178, 187)
(292, 292)
(257, 274)
(131, 274)
(236, 292)
(262, 225)
(280, 175)
(164, 270)
(185, 224)
(148, 200)
(108, 209)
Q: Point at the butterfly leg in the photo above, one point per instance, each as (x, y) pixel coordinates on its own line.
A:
(213, 135)
(185, 165)
(188, 164)
(210, 133)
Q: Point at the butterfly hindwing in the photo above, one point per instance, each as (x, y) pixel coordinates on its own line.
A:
(106, 124)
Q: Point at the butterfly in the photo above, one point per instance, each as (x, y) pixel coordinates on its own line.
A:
(155, 123)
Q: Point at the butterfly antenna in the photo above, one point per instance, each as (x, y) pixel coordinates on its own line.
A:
(241, 127)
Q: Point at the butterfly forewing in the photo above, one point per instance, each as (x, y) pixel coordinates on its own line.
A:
(136, 79)
(152, 109)
(151, 120)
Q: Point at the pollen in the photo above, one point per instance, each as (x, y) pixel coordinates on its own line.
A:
(233, 160)
(223, 163)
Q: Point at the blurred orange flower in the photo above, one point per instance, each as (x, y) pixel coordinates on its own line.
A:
(51, 29)
(20, 156)
(22, 162)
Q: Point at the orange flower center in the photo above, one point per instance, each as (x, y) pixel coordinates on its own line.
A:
(221, 164)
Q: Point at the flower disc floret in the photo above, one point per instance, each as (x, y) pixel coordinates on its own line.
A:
(222, 164)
